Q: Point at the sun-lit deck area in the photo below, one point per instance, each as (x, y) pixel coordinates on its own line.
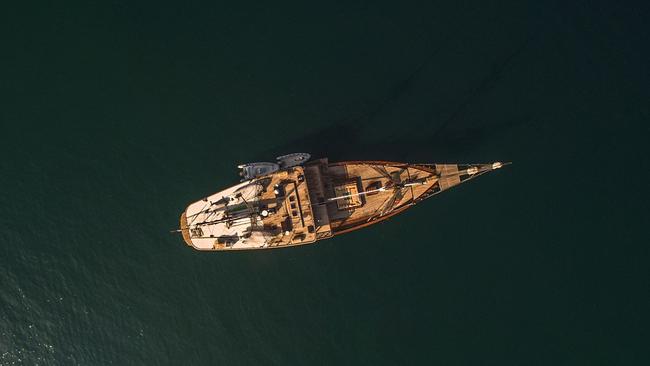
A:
(371, 190)
(288, 206)
(266, 212)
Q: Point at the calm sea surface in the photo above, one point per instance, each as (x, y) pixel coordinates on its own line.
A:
(115, 116)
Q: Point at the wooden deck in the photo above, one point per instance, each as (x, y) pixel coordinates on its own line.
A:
(185, 231)
(375, 203)
(293, 220)
(303, 204)
(315, 176)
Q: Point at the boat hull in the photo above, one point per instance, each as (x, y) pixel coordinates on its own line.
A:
(304, 204)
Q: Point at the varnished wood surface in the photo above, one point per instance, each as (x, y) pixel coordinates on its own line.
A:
(308, 210)
(294, 206)
(369, 178)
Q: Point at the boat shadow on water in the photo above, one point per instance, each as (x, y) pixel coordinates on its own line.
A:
(450, 138)
(343, 142)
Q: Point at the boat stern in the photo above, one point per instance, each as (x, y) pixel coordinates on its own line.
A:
(185, 230)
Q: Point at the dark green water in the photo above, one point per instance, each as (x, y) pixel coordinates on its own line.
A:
(115, 116)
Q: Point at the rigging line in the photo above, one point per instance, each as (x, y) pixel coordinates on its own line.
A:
(466, 179)
(408, 173)
(251, 211)
(207, 211)
(382, 170)
(203, 209)
(372, 178)
(210, 214)
(197, 214)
